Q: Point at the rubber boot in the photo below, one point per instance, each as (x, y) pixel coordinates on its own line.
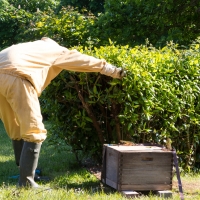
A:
(17, 147)
(28, 164)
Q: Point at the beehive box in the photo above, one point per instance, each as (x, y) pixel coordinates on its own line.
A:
(138, 168)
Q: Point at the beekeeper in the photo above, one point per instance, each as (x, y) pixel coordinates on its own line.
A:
(26, 69)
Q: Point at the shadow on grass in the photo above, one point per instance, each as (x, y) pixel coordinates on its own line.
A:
(56, 162)
(81, 180)
(8, 172)
(66, 173)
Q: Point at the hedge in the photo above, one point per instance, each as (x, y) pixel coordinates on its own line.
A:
(156, 102)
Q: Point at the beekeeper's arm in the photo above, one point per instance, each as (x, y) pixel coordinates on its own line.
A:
(75, 61)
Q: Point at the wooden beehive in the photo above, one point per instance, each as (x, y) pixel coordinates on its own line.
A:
(138, 168)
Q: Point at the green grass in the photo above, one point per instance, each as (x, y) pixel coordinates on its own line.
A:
(68, 180)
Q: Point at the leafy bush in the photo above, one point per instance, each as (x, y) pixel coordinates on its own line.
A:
(33, 5)
(125, 22)
(159, 99)
(94, 6)
(131, 22)
(68, 27)
(18, 18)
(11, 21)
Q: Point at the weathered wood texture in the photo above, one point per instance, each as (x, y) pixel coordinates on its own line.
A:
(138, 168)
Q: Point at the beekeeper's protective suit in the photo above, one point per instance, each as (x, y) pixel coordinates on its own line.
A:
(25, 70)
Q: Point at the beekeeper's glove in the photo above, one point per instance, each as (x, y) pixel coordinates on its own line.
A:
(113, 71)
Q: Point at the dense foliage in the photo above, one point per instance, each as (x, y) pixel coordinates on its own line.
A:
(34, 5)
(68, 26)
(125, 22)
(84, 6)
(158, 100)
(131, 22)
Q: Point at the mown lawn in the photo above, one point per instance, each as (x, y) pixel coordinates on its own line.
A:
(69, 180)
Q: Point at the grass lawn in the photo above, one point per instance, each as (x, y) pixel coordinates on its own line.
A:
(68, 180)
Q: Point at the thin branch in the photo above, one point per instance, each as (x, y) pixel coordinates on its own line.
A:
(89, 111)
(115, 112)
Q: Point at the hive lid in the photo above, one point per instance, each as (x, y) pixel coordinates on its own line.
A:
(138, 147)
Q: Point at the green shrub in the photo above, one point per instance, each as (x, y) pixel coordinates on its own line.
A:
(12, 21)
(68, 27)
(94, 6)
(159, 99)
(132, 21)
(125, 22)
(33, 5)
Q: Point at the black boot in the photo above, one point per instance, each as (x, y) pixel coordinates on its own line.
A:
(28, 164)
(17, 146)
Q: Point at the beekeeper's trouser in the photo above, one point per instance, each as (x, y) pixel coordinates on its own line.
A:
(20, 109)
